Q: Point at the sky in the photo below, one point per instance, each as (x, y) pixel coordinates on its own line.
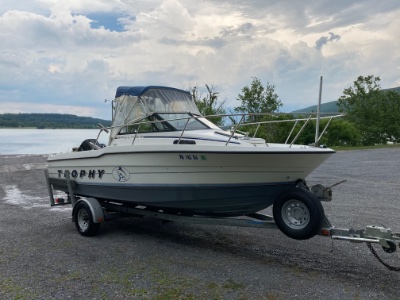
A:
(69, 56)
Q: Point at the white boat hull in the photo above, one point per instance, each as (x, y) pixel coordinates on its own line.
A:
(208, 180)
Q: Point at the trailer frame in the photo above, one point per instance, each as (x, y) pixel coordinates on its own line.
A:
(108, 210)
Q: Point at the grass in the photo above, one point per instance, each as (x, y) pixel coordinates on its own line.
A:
(233, 285)
(10, 290)
(349, 148)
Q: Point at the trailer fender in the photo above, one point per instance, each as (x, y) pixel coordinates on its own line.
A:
(95, 208)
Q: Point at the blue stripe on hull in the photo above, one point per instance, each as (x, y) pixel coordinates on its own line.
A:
(227, 200)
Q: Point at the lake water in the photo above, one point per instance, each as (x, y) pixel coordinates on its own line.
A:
(45, 141)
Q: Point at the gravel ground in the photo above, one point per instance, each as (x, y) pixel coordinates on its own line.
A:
(43, 257)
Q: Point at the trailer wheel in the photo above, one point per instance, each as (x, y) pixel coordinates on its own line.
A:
(298, 214)
(83, 219)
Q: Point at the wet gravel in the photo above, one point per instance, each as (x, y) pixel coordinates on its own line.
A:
(43, 257)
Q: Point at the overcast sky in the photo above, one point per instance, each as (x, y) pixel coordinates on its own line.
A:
(67, 56)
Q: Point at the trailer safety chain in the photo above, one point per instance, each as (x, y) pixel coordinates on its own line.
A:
(389, 267)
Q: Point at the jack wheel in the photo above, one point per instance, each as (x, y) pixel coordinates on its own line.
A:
(391, 249)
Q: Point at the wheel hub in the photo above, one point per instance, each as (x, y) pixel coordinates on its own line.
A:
(83, 219)
(295, 214)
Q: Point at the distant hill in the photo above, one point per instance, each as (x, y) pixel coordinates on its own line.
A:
(49, 121)
(331, 107)
(396, 89)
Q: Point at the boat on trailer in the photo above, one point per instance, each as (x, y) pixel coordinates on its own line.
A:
(165, 160)
(164, 155)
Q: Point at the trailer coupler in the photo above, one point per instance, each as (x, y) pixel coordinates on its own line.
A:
(383, 236)
(371, 234)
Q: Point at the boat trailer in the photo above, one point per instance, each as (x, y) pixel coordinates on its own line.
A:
(88, 214)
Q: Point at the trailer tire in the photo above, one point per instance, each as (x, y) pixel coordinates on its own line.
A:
(298, 214)
(83, 219)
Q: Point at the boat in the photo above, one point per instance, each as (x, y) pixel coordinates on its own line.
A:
(163, 155)
(165, 160)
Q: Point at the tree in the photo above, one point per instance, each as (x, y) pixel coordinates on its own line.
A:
(341, 132)
(389, 120)
(258, 99)
(373, 112)
(209, 104)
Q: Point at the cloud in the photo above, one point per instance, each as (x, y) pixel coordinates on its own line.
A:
(323, 40)
(74, 54)
(245, 28)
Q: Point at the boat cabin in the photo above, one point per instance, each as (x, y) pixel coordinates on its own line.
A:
(146, 109)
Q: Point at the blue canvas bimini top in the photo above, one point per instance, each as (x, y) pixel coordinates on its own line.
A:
(140, 90)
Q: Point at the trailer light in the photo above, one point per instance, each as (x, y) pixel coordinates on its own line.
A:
(325, 232)
(59, 200)
(100, 219)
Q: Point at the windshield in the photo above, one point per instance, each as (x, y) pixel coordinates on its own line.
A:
(179, 120)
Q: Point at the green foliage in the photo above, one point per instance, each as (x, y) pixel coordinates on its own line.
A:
(332, 106)
(258, 99)
(41, 121)
(374, 113)
(209, 104)
(388, 115)
(277, 132)
(341, 133)
(355, 99)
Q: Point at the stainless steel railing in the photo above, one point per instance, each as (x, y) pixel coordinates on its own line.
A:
(234, 128)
